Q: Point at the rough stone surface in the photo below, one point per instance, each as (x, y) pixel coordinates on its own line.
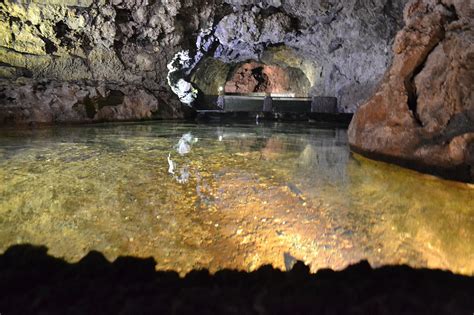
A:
(51, 101)
(423, 113)
(340, 46)
(87, 44)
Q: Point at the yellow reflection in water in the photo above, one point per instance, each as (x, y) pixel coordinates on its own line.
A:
(416, 211)
(252, 195)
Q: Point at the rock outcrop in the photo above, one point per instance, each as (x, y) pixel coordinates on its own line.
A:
(422, 116)
(128, 44)
(46, 102)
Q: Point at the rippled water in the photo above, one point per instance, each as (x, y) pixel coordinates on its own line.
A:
(243, 196)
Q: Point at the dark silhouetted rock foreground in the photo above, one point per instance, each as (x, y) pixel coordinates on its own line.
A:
(31, 282)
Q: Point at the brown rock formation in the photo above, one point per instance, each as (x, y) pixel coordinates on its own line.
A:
(422, 115)
(254, 77)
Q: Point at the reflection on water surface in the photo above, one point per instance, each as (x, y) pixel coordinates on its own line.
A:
(242, 197)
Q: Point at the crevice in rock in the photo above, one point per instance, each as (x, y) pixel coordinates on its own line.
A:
(410, 86)
(13, 19)
(86, 43)
(266, 12)
(117, 47)
(335, 70)
(390, 12)
(93, 105)
(330, 15)
(41, 86)
(334, 45)
(4, 97)
(122, 16)
(18, 52)
(262, 79)
(62, 30)
(23, 72)
(189, 35)
(454, 16)
(49, 46)
(89, 107)
(221, 11)
(412, 95)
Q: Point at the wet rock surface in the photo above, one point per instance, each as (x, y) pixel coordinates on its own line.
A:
(422, 116)
(342, 45)
(35, 282)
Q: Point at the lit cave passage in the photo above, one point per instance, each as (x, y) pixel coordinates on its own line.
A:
(290, 79)
(251, 77)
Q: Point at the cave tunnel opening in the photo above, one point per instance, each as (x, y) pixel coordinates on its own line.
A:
(250, 78)
(255, 77)
(279, 80)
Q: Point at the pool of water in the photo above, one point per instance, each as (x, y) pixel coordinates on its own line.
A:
(243, 196)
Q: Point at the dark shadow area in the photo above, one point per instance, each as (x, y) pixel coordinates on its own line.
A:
(31, 281)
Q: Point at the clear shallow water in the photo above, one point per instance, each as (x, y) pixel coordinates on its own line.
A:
(252, 193)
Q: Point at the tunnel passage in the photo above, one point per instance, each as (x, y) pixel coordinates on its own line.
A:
(255, 77)
(250, 77)
(278, 71)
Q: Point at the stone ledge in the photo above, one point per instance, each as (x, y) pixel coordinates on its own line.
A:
(463, 173)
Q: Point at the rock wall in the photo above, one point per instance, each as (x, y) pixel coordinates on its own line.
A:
(70, 51)
(422, 116)
(127, 44)
(52, 101)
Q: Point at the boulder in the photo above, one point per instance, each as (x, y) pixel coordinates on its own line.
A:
(422, 115)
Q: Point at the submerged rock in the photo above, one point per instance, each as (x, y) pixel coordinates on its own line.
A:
(422, 116)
